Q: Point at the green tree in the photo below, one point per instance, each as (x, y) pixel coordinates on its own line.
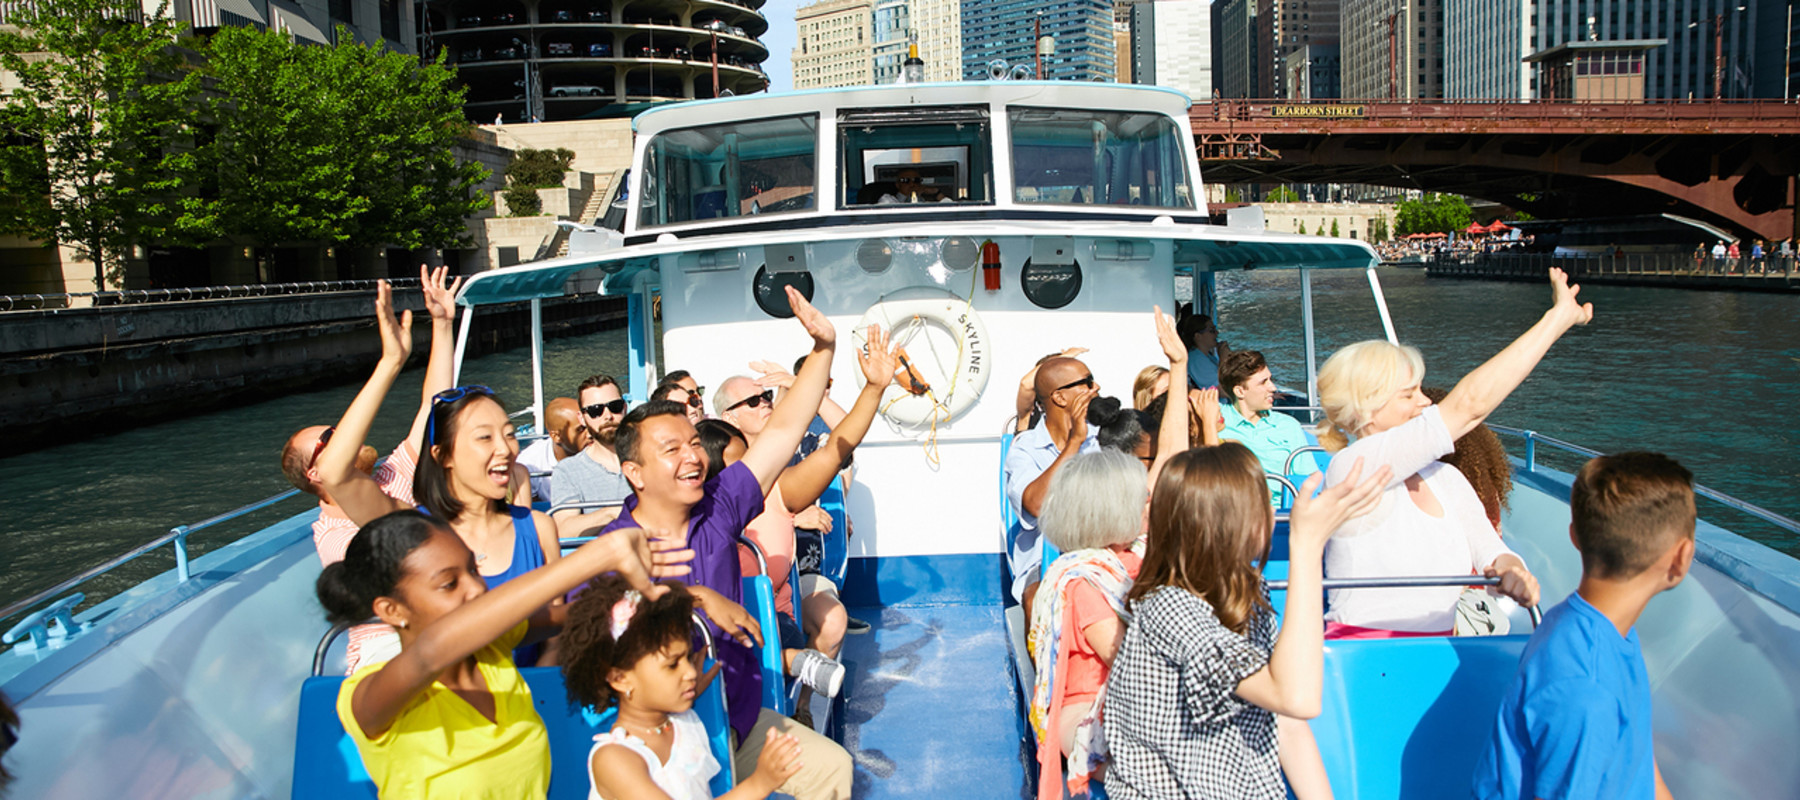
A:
(539, 169)
(1334, 227)
(1234, 195)
(1433, 213)
(349, 143)
(98, 151)
(1378, 229)
(1284, 194)
(1302, 225)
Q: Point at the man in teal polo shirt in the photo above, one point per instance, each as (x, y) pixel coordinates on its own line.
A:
(1244, 377)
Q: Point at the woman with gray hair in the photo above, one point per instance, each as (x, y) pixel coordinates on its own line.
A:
(1094, 514)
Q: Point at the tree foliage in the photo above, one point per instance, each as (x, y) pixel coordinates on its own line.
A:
(97, 151)
(1378, 229)
(1433, 213)
(349, 143)
(1334, 226)
(121, 132)
(1284, 194)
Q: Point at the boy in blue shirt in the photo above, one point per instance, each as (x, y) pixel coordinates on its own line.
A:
(1575, 723)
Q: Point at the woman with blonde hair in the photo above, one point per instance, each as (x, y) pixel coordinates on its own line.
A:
(1429, 522)
(1151, 381)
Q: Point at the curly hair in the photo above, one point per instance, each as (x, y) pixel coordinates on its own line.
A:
(589, 651)
(1481, 458)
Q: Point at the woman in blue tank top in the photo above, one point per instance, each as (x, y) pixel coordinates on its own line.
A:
(466, 475)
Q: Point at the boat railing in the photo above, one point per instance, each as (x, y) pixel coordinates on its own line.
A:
(1533, 439)
(36, 625)
(1328, 584)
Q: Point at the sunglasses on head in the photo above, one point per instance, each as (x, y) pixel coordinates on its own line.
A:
(324, 439)
(445, 397)
(755, 400)
(1087, 380)
(595, 410)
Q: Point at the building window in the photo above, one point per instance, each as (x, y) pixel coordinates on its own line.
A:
(341, 10)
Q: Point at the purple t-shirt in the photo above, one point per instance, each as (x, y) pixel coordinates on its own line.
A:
(732, 499)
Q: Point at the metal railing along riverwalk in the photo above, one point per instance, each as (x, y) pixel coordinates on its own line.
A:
(40, 302)
(1771, 272)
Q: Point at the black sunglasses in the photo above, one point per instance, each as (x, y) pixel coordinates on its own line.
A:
(595, 410)
(694, 401)
(755, 400)
(324, 439)
(1087, 381)
(449, 396)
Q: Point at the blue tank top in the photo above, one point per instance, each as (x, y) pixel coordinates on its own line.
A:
(527, 556)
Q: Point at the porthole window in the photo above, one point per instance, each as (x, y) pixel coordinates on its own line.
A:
(1051, 285)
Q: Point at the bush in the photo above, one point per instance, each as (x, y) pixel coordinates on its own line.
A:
(522, 201)
(539, 169)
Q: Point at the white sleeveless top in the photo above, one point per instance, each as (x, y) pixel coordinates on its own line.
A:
(691, 766)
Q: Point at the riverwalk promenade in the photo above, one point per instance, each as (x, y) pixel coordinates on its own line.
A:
(1768, 274)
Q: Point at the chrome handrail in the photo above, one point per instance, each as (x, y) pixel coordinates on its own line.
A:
(1288, 467)
(178, 535)
(337, 629)
(1532, 438)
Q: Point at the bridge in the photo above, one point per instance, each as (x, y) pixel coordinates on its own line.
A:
(1731, 163)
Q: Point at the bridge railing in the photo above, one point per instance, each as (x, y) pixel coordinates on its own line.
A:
(1776, 268)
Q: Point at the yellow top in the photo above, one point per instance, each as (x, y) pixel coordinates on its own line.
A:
(441, 747)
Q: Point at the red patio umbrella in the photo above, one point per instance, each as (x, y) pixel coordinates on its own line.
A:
(1475, 227)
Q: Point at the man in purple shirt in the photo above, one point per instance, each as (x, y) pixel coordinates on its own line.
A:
(660, 454)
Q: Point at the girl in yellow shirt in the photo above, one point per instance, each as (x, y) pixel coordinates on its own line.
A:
(450, 716)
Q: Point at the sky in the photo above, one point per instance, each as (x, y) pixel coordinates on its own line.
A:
(781, 41)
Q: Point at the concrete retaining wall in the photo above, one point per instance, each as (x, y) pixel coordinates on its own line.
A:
(91, 371)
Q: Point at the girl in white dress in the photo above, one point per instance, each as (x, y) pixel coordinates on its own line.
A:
(619, 646)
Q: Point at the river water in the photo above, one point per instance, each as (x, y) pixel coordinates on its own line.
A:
(1708, 377)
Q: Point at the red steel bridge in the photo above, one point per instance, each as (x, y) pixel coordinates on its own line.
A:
(1732, 163)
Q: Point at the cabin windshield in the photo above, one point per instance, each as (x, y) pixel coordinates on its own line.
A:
(737, 169)
(915, 155)
(1081, 157)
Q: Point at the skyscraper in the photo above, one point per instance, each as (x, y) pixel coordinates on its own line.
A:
(1005, 30)
(835, 45)
(893, 30)
(1237, 62)
(1492, 38)
(1285, 26)
(1171, 45)
(1393, 46)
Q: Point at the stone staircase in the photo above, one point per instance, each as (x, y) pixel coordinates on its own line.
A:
(596, 205)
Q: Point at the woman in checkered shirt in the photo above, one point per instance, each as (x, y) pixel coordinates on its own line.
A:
(1194, 692)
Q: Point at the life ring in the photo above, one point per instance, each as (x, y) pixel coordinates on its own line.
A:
(943, 390)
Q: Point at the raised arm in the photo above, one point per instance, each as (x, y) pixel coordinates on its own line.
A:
(802, 483)
(1172, 434)
(457, 635)
(775, 445)
(1480, 392)
(774, 377)
(440, 302)
(1292, 681)
(351, 489)
(1032, 499)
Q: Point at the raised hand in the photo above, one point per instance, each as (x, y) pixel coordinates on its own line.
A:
(817, 326)
(1563, 295)
(879, 362)
(440, 293)
(1171, 342)
(396, 331)
(1206, 404)
(1314, 519)
(773, 375)
(628, 552)
(1078, 417)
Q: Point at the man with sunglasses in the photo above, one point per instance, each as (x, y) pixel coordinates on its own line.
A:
(1064, 387)
(594, 475)
(566, 437)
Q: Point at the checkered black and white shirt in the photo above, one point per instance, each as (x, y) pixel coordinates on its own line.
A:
(1172, 723)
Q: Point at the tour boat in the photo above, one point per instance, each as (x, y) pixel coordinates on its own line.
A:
(1050, 215)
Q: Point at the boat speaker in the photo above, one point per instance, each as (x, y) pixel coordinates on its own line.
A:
(960, 253)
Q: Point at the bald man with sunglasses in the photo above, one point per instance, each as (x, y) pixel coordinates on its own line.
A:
(593, 476)
(1064, 387)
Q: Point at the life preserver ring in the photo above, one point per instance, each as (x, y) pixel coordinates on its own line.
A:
(949, 389)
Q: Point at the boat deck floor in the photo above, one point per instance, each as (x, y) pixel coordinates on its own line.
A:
(932, 688)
